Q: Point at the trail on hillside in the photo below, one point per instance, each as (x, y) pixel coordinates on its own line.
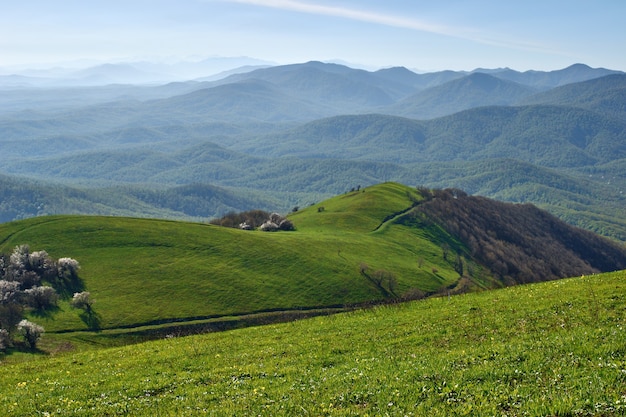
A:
(392, 217)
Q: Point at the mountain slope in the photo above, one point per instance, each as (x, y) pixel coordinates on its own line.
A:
(520, 243)
(362, 137)
(247, 99)
(605, 95)
(545, 135)
(591, 199)
(343, 88)
(474, 90)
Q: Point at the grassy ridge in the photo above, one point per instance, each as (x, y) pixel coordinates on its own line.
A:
(554, 348)
(143, 271)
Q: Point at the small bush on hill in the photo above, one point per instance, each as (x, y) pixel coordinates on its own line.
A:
(255, 219)
(244, 220)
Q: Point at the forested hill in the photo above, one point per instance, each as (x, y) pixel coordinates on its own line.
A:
(519, 243)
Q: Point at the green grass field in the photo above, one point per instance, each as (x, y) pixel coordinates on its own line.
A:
(549, 349)
(146, 272)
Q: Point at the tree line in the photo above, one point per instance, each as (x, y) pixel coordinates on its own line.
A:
(519, 242)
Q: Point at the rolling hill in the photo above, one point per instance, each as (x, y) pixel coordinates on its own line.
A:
(368, 245)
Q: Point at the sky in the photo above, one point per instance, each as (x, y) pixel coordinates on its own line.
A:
(423, 35)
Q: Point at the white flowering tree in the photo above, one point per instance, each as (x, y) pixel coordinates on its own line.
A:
(277, 222)
(31, 332)
(23, 278)
(68, 267)
(41, 298)
(83, 301)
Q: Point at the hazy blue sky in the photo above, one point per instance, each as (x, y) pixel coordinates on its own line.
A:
(426, 35)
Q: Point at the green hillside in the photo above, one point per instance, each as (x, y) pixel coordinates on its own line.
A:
(550, 349)
(382, 243)
(144, 271)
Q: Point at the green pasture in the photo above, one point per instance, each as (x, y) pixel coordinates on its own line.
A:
(146, 272)
(549, 349)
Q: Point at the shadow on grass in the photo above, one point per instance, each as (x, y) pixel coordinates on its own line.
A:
(68, 285)
(47, 313)
(18, 346)
(92, 319)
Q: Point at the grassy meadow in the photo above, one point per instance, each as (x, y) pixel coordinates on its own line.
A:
(549, 349)
(146, 272)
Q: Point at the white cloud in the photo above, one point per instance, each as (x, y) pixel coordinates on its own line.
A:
(412, 23)
(359, 15)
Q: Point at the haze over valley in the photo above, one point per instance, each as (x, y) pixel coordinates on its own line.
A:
(283, 136)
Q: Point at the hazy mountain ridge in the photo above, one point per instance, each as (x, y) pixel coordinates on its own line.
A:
(551, 79)
(137, 72)
(605, 95)
(474, 90)
(285, 130)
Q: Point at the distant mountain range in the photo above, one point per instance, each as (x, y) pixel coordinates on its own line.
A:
(280, 136)
(142, 72)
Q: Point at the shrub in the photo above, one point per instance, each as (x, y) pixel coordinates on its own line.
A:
(41, 298)
(41, 263)
(9, 291)
(385, 279)
(82, 300)
(10, 316)
(253, 218)
(269, 226)
(413, 294)
(19, 259)
(67, 267)
(250, 220)
(30, 331)
(286, 225)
